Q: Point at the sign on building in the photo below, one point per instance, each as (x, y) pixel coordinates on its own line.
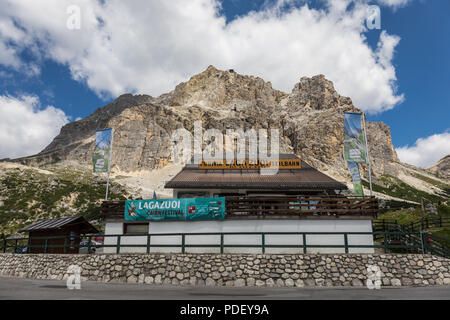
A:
(175, 209)
(251, 164)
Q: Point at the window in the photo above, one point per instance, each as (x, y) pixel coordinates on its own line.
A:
(73, 237)
(192, 194)
(135, 228)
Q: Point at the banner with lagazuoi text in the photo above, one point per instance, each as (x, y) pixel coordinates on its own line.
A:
(175, 209)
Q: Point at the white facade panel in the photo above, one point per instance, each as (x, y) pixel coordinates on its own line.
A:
(116, 228)
(266, 225)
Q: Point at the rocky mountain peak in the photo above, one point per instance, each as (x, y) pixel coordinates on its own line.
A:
(441, 168)
(317, 93)
(219, 89)
(310, 120)
(99, 119)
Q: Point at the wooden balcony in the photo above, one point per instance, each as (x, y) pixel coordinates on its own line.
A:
(279, 207)
(301, 206)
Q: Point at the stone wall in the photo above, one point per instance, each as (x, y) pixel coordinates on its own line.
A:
(234, 269)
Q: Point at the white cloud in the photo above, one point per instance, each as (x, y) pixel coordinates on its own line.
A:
(426, 151)
(25, 128)
(150, 46)
(12, 41)
(394, 3)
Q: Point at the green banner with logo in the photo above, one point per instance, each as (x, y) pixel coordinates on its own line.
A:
(356, 178)
(102, 151)
(354, 141)
(175, 209)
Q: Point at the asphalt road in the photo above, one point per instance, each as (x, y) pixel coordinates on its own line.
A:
(15, 288)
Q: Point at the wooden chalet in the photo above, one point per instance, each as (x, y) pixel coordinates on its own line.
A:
(66, 230)
(295, 191)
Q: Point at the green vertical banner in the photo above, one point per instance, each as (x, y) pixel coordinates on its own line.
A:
(102, 152)
(354, 140)
(356, 178)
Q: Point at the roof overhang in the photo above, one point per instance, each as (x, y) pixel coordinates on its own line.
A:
(54, 224)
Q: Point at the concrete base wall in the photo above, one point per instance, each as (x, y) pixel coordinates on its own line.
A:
(266, 225)
(235, 270)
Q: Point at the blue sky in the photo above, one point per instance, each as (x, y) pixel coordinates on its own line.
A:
(419, 31)
(423, 70)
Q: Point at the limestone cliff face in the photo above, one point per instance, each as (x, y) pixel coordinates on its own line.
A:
(442, 168)
(317, 93)
(384, 158)
(224, 90)
(310, 120)
(76, 131)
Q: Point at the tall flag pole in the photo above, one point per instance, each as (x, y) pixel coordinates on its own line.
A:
(109, 164)
(102, 155)
(368, 155)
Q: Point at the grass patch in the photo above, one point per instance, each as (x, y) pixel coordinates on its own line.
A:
(443, 186)
(395, 187)
(406, 216)
(29, 196)
(401, 216)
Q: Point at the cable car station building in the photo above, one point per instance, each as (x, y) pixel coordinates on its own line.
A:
(298, 198)
(295, 178)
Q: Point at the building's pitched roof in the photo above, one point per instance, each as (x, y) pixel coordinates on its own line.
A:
(49, 224)
(306, 178)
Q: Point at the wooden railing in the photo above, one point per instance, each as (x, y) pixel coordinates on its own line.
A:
(301, 206)
(26, 245)
(278, 206)
(410, 242)
(438, 245)
(414, 226)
